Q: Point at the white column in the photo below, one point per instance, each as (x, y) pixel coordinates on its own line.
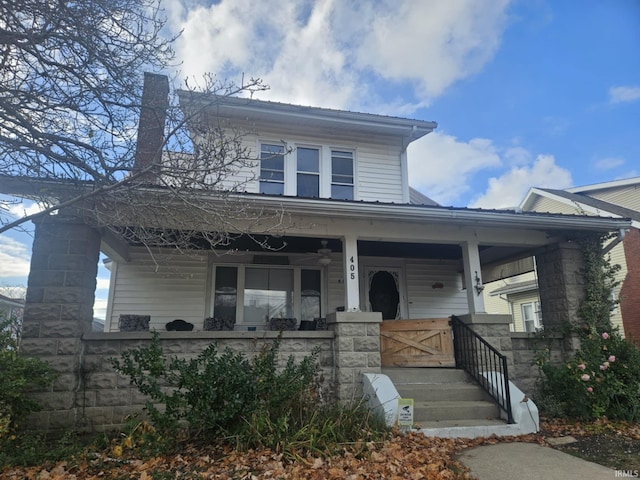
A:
(473, 276)
(351, 274)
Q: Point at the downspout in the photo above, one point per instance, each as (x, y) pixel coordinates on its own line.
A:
(621, 234)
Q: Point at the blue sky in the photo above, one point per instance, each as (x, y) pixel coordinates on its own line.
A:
(525, 93)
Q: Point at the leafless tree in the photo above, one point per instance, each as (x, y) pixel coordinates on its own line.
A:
(70, 99)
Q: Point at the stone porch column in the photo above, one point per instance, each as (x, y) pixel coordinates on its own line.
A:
(356, 350)
(561, 290)
(59, 309)
(495, 330)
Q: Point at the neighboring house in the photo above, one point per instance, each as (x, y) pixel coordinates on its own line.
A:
(355, 245)
(11, 307)
(516, 296)
(617, 199)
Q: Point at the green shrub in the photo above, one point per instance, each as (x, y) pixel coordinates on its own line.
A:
(249, 403)
(214, 393)
(18, 375)
(602, 379)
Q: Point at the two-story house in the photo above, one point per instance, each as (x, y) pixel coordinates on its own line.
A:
(332, 243)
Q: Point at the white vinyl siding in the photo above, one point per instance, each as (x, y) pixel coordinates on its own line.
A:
(379, 174)
(547, 205)
(628, 197)
(425, 301)
(617, 257)
(174, 291)
(377, 166)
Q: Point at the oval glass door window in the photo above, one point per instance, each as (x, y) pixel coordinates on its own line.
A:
(383, 295)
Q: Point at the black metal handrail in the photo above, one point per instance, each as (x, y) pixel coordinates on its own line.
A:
(476, 356)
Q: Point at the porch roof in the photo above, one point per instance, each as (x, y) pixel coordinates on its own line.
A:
(437, 213)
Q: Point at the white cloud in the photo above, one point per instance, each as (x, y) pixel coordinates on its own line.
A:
(624, 94)
(441, 166)
(508, 190)
(25, 208)
(14, 258)
(329, 52)
(100, 308)
(432, 44)
(102, 283)
(609, 163)
(517, 156)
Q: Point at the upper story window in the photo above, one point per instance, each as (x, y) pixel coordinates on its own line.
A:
(308, 177)
(342, 175)
(306, 171)
(272, 166)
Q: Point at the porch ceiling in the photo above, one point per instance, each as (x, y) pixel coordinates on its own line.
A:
(368, 248)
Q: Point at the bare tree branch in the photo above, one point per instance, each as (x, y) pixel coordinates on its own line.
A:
(70, 100)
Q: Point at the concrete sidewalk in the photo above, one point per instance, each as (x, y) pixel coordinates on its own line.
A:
(529, 461)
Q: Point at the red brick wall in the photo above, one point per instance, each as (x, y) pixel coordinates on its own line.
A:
(630, 292)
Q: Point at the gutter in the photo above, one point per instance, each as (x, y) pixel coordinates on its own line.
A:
(332, 208)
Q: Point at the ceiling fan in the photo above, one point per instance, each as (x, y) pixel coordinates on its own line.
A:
(324, 253)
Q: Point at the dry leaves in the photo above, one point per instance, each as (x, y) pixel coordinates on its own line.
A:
(410, 456)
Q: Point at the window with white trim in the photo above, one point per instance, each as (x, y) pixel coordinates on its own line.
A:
(342, 174)
(272, 166)
(531, 317)
(308, 176)
(251, 295)
(311, 171)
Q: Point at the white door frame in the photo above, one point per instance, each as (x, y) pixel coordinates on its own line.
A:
(396, 268)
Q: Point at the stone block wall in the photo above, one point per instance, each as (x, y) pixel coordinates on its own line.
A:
(561, 288)
(59, 309)
(527, 348)
(103, 399)
(357, 350)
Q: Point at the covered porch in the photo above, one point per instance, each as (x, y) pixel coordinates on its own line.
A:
(381, 264)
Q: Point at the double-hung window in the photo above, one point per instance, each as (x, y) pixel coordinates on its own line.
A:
(272, 167)
(308, 177)
(306, 171)
(342, 175)
(531, 316)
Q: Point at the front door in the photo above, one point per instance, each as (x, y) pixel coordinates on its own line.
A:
(385, 292)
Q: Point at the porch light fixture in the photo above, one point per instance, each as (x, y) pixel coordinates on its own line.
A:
(478, 286)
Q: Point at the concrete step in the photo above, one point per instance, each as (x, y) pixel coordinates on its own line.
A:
(444, 397)
(430, 392)
(454, 410)
(476, 422)
(400, 375)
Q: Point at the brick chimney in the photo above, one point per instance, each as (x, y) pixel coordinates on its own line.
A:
(153, 114)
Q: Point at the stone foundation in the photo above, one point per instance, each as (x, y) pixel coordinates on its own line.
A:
(102, 399)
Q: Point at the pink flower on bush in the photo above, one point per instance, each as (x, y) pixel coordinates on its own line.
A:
(612, 358)
(605, 335)
(582, 366)
(590, 389)
(603, 367)
(585, 377)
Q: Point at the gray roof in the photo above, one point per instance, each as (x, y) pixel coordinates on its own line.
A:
(419, 198)
(596, 203)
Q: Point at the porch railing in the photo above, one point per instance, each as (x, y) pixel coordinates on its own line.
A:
(483, 362)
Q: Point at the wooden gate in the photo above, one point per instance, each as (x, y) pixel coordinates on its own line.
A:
(416, 343)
